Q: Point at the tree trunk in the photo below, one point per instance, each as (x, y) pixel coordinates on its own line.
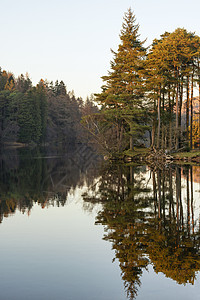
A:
(191, 112)
(199, 105)
(158, 131)
(131, 139)
(154, 127)
(180, 109)
(163, 137)
(187, 108)
(177, 110)
(120, 137)
(170, 121)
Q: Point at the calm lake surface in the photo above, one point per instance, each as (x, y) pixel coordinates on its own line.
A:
(74, 227)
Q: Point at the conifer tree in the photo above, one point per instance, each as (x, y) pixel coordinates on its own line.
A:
(171, 69)
(3, 79)
(123, 92)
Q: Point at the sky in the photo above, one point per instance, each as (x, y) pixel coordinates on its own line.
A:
(70, 40)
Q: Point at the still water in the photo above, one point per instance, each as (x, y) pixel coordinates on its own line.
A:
(73, 227)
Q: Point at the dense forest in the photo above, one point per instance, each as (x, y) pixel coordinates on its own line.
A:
(42, 114)
(146, 91)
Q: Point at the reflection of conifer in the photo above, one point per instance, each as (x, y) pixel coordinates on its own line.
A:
(149, 226)
(124, 198)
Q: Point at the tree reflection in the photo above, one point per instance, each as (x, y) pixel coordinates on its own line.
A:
(149, 217)
(42, 176)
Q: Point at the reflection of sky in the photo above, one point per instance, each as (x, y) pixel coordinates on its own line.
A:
(58, 253)
(196, 197)
(196, 191)
(157, 287)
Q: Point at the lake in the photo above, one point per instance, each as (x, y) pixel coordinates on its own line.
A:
(75, 227)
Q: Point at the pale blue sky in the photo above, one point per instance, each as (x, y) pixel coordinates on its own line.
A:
(70, 40)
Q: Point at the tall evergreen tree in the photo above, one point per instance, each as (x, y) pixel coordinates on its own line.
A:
(3, 79)
(123, 92)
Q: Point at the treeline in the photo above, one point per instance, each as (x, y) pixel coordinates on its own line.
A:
(41, 114)
(145, 89)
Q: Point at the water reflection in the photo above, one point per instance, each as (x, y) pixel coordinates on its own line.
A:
(151, 216)
(42, 175)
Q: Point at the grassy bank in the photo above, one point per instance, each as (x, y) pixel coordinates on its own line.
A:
(146, 154)
(192, 156)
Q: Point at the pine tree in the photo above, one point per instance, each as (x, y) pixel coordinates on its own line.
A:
(3, 79)
(123, 92)
(171, 69)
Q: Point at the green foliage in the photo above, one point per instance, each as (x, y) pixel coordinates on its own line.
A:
(30, 117)
(8, 116)
(64, 114)
(3, 79)
(123, 93)
(34, 115)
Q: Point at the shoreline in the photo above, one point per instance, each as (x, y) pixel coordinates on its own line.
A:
(149, 156)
